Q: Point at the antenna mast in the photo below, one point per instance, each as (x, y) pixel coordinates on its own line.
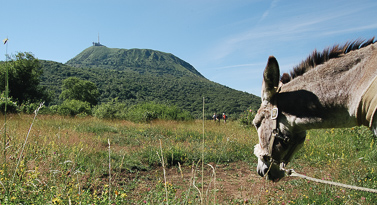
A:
(97, 43)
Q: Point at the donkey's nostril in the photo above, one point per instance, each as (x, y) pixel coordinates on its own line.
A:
(266, 158)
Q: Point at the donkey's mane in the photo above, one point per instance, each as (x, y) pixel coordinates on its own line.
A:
(317, 58)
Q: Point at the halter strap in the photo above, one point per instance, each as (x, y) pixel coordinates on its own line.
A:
(275, 130)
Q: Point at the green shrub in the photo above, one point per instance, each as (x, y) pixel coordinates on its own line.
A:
(144, 112)
(11, 105)
(247, 117)
(53, 109)
(28, 107)
(110, 110)
(74, 107)
(149, 111)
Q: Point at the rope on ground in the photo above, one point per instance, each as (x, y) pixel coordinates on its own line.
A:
(292, 173)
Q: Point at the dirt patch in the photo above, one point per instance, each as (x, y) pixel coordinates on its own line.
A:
(224, 183)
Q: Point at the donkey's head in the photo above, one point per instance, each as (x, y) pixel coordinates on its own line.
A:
(277, 139)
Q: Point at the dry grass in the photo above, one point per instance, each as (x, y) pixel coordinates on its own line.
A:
(66, 160)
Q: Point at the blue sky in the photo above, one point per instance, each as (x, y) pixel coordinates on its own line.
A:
(229, 42)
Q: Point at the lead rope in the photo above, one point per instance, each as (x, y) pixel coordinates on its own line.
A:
(292, 173)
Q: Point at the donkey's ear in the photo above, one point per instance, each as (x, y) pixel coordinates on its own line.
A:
(271, 77)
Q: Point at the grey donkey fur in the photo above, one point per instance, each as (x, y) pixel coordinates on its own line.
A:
(325, 91)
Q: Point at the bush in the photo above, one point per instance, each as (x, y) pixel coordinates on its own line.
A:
(28, 107)
(53, 109)
(247, 117)
(147, 112)
(144, 112)
(110, 110)
(74, 107)
(11, 105)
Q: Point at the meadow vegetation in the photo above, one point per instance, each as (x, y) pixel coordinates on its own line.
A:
(88, 160)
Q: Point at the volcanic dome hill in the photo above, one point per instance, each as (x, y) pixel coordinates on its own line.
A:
(140, 75)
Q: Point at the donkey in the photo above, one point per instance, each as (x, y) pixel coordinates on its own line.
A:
(335, 88)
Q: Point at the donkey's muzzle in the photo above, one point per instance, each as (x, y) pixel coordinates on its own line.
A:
(270, 170)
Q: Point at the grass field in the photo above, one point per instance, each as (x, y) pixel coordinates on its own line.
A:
(90, 161)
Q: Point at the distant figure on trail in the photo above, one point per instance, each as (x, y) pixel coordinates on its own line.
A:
(217, 117)
(224, 117)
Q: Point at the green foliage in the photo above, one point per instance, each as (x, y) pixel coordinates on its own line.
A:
(11, 105)
(247, 117)
(144, 112)
(134, 60)
(134, 76)
(75, 89)
(147, 112)
(110, 110)
(29, 108)
(24, 73)
(141, 75)
(74, 107)
(134, 87)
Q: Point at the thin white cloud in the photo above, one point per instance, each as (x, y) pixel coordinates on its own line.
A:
(287, 34)
(352, 30)
(267, 12)
(239, 66)
(312, 25)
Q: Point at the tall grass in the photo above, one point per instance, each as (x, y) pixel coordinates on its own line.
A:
(65, 156)
(69, 160)
(342, 155)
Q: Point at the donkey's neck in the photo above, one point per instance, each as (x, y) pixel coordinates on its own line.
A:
(329, 95)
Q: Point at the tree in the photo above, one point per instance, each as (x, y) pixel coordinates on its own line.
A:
(74, 88)
(24, 72)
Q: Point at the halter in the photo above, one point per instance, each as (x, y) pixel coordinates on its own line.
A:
(277, 134)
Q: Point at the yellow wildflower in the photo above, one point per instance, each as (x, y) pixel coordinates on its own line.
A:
(56, 200)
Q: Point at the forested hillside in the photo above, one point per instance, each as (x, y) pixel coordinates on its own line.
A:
(134, 60)
(140, 75)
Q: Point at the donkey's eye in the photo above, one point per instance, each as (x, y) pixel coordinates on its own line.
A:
(283, 145)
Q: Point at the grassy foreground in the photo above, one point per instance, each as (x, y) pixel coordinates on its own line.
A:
(90, 161)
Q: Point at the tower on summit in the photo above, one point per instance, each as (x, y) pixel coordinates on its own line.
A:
(97, 43)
